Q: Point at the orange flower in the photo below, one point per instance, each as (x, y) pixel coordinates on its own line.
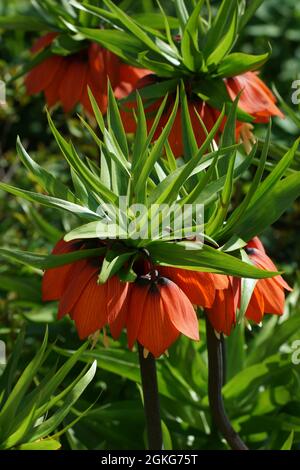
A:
(256, 98)
(66, 79)
(269, 292)
(222, 314)
(199, 287)
(158, 312)
(89, 304)
(153, 309)
(268, 295)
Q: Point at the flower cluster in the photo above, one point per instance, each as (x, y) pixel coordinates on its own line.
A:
(160, 304)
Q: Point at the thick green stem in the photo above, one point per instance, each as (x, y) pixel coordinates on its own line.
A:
(151, 400)
(215, 382)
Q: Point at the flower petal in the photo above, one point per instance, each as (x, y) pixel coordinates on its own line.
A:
(54, 279)
(179, 309)
(41, 76)
(79, 276)
(90, 310)
(137, 299)
(73, 83)
(156, 332)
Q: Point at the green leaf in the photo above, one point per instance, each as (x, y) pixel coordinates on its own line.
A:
(123, 44)
(168, 189)
(44, 444)
(277, 173)
(192, 57)
(24, 23)
(154, 91)
(217, 219)
(15, 398)
(240, 210)
(48, 182)
(112, 263)
(252, 6)
(50, 201)
(7, 377)
(269, 208)
(79, 167)
(155, 153)
(252, 377)
(155, 20)
(222, 34)
(115, 122)
(51, 423)
(97, 112)
(182, 13)
(167, 440)
(238, 63)
(141, 133)
(125, 364)
(206, 259)
(15, 437)
(48, 261)
(289, 442)
(132, 26)
(188, 136)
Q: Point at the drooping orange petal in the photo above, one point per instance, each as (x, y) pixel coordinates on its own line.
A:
(222, 315)
(72, 85)
(79, 276)
(90, 310)
(220, 281)
(256, 99)
(262, 260)
(54, 279)
(128, 79)
(52, 90)
(99, 91)
(41, 76)
(180, 310)
(117, 296)
(256, 307)
(43, 42)
(256, 243)
(136, 306)
(120, 322)
(156, 332)
(117, 305)
(112, 68)
(273, 294)
(199, 287)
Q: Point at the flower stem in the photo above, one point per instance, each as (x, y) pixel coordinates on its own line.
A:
(151, 400)
(215, 382)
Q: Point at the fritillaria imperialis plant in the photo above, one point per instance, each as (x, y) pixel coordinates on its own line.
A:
(150, 284)
(184, 93)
